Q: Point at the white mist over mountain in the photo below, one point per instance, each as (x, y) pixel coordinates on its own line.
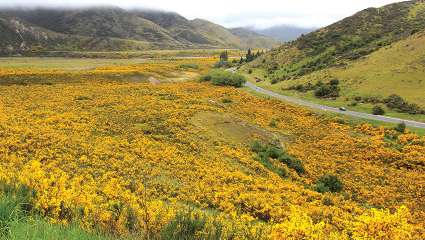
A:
(236, 13)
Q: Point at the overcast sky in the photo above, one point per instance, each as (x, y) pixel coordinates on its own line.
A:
(234, 13)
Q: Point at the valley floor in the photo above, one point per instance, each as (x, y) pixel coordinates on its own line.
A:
(109, 149)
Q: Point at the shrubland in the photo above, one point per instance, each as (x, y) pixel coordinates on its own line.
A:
(131, 158)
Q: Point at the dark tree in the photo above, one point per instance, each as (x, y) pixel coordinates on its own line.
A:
(242, 60)
(249, 56)
(378, 110)
(224, 56)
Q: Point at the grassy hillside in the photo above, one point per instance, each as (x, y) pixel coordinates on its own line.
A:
(395, 69)
(111, 29)
(161, 161)
(349, 39)
(374, 54)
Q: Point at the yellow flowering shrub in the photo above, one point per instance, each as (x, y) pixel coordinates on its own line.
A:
(381, 224)
(299, 226)
(128, 156)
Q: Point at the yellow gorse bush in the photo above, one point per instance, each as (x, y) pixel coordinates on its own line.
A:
(128, 157)
(381, 224)
(299, 226)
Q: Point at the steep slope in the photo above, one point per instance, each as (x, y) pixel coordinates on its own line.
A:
(349, 39)
(96, 22)
(396, 69)
(216, 34)
(19, 36)
(109, 28)
(178, 26)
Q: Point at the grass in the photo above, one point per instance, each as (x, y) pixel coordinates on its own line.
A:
(88, 60)
(377, 79)
(353, 121)
(161, 54)
(17, 221)
(36, 229)
(398, 68)
(63, 63)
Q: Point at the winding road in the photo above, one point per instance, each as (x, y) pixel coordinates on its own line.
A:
(312, 105)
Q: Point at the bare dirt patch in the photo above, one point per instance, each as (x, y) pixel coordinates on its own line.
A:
(229, 128)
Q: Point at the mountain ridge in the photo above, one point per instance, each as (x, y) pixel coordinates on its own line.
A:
(112, 29)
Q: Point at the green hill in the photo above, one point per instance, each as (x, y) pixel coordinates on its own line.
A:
(345, 41)
(374, 54)
(396, 69)
(109, 28)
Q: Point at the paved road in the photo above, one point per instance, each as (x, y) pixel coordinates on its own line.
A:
(332, 109)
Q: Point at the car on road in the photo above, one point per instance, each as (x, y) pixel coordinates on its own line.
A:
(342, 109)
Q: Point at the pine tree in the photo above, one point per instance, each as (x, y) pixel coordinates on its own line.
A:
(249, 56)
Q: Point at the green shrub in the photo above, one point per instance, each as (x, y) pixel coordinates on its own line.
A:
(250, 71)
(257, 147)
(327, 201)
(274, 80)
(265, 152)
(206, 78)
(334, 82)
(221, 64)
(274, 151)
(82, 98)
(378, 110)
(226, 100)
(292, 163)
(399, 104)
(328, 183)
(189, 66)
(357, 98)
(273, 123)
(224, 78)
(326, 91)
(372, 99)
(401, 127)
(353, 104)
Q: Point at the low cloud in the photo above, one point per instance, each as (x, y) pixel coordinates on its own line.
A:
(260, 14)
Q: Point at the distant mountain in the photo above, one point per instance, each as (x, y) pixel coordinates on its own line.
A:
(284, 33)
(254, 40)
(113, 29)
